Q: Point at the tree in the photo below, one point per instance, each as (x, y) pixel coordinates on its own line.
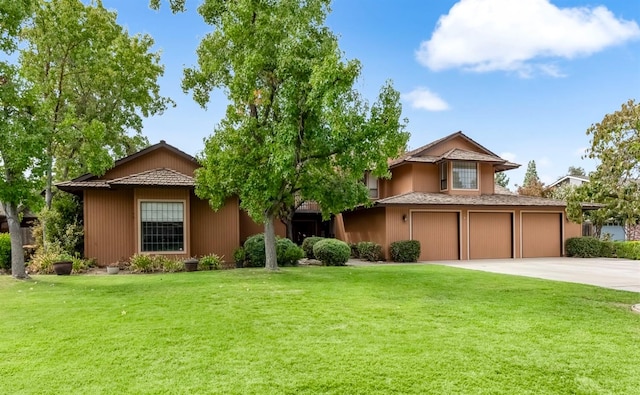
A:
(19, 134)
(532, 186)
(502, 179)
(576, 171)
(95, 84)
(615, 142)
(295, 127)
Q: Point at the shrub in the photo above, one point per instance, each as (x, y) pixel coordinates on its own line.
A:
(607, 249)
(627, 249)
(332, 252)
(370, 251)
(583, 247)
(287, 253)
(42, 261)
(405, 251)
(211, 261)
(254, 251)
(354, 250)
(239, 257)
(81, 265)
(141, 263)
(167, 265)
(5, 251)
(307, 245)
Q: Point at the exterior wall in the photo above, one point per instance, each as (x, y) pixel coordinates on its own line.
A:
(445, 146)
(248, 227)
(109, 225)
(153, 160)
(215, 232)
(401, 181)
(487, 179)
(164, 194)
(365, 225)
(398, 225)
(426, 178)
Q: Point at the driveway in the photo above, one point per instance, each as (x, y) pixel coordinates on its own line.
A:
(620, 274)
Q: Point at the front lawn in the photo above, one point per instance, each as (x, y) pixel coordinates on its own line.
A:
(311, 330)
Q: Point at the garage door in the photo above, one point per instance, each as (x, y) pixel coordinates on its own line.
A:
(490, 235)
(541, 235)
(438, 233)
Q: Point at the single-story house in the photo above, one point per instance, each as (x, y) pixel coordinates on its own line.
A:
(444, 195)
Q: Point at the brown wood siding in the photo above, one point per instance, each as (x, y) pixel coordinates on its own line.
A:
(490, 235)
(541, 235)
(178, 194)
(401, 180)
(487, 179)
(365, 225)
(248, 227)
(457, 142)
(109, 225)
(438, 234)
(153, 160)
(426, 178)
(397, 227)
(214, 232)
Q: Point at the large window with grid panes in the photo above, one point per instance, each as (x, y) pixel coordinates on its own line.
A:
(465, 175)
(162, 226)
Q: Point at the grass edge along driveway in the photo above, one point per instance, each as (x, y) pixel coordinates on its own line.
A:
(309, 330)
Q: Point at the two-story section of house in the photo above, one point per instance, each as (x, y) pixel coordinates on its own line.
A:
(444, 195)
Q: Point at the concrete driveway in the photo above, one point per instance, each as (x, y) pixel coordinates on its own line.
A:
(620, 274)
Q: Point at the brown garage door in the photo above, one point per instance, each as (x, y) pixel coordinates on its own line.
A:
(541, 235)
(438, 235)
(490, 235)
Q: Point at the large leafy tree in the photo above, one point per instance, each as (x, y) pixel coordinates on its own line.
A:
(615, 142)
(295, 128)
(95, 84)
(20, 140)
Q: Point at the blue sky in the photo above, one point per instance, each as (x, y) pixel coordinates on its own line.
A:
(524, 78)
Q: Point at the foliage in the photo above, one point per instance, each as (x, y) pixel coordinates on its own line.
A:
(562, 192)
(627, 249)
(63, 224)
(295, 127)
(307, 245)
(141, 263)
(167, 265)
(429, 325)
(239, 256)
(211, 261)
(501, 179)
(5, 251)
(576, 171)
(331, 252)
(405, 251)
(81, 265)
(532, 186)
(354, 250)
(288, 253)
(583, 247)
(369, 251)
(42, 261)
(254, 251)
(607, 249)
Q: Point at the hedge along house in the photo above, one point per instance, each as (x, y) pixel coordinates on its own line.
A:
(444, 195)
(146, 204)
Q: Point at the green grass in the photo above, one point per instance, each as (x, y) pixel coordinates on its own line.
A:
(310, 330)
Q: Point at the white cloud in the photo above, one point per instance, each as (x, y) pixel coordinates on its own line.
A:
(425, 99)
(511, 157)
(508, 35)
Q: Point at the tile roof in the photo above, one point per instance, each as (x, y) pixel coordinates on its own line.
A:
(419, 198)
(155, 177)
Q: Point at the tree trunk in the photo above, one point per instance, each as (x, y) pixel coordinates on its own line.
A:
(17, 255)
(288, 224)
(270, 242)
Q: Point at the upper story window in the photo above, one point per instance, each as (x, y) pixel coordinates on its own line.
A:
(372, 184)
(162, 226)
(444, 171)
(465, 175)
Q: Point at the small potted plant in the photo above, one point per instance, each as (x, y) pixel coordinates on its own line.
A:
(63, 264)
(191, 265)
(113, 268)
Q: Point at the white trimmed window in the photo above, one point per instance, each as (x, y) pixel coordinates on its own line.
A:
(162, 226)
(372, 184)
(465, 175)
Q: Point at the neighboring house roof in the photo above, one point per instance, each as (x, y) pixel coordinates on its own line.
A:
(416, 155)
(419, 198)
(567, 179)
(161, 177)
